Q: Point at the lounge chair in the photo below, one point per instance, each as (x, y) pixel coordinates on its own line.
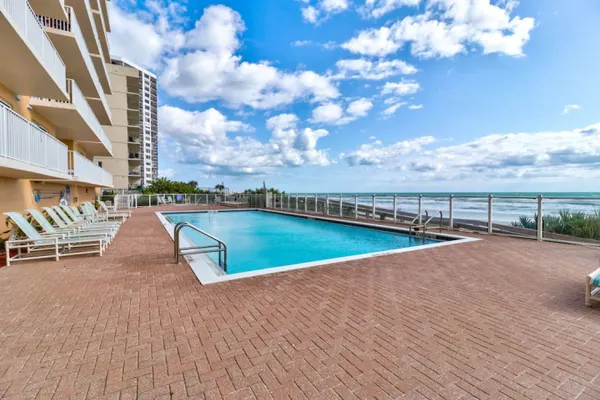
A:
(72, 230)
(38, 246)
(113, 212)
(77, 218)
(89, 208)
(592, 288)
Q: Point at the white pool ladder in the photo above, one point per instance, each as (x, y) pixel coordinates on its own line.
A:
(421, 222)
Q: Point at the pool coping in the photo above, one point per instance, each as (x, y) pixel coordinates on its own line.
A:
(208, 273)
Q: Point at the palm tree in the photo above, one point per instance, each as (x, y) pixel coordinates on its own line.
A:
(219, 187)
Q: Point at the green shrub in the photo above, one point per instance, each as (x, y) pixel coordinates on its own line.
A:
(569, 223)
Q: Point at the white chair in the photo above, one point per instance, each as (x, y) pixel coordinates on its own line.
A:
(39, 246)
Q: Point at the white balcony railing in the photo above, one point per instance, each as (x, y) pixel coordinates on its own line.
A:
(72, 26)
(26, 22)
(23, 141)
(79, 101)
(85, 170)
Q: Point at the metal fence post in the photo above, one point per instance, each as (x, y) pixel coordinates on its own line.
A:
(316, 203)
(356, 206)
(373, 207)
(326, 204)
(395, 211)
(305, 203)
(451, 216)
(341, 206)
(288, 198)
(296, 203)
(490, 222)
(420, 207)
(540, 219)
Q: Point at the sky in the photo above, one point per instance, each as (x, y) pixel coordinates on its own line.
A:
(372, 95)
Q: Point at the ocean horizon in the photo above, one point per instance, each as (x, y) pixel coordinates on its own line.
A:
(474, 205)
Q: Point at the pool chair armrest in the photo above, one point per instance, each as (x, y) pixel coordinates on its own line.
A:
(592, 287)
(85, 235)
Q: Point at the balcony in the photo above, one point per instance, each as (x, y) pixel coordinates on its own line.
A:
(104, 9)
(86, 172)
(134, 158)
(68, 40)
(27, 152)
(85, 17)
(76, 120)
(49, 8)
(30, 64)
(101, 29)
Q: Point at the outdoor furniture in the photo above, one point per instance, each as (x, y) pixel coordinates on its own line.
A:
(89, 208)
(38, 246)
(112, 211)
(72, 230)
(592, 288)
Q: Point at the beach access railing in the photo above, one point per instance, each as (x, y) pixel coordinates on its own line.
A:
(182, 199)
(543, 217)
(553, 218)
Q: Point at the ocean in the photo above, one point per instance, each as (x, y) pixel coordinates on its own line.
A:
(474, 205)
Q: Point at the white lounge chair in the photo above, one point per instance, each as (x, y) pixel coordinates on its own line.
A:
(71, 230)
(89, 209)
(77, 218)
(113, 212)
(38, 246)
(592, 288)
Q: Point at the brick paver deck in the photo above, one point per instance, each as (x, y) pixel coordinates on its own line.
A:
(499, 318)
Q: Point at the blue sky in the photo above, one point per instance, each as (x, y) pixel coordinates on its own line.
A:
(372, 95)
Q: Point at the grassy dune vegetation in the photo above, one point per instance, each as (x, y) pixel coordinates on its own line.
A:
(566, 223)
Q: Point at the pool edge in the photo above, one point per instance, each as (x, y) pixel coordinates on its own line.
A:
(207, 272)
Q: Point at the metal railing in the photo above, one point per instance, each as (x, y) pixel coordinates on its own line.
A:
(77, 99)
(26, 22)
(220, 248)
(85, 170)
(72, 26)
(23, 141)
(528, 215)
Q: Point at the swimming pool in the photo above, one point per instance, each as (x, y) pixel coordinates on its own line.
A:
(264, 240)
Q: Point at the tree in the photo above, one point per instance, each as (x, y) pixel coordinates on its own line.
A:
(193, 184)
(166, 186)
(262, 190)
(219, 187)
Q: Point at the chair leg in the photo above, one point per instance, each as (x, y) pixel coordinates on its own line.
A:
(588, 291)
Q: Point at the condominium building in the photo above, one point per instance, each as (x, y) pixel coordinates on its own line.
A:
(54, 57)
(134, 133)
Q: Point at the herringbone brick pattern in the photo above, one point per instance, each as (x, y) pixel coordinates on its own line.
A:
(496, 319)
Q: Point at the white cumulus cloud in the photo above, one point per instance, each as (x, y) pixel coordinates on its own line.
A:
(211, 70)
(204, 139)
(323, 9)
(334, 114)
(570, 107)
(447, 28)
(513, 155)
(362, 68)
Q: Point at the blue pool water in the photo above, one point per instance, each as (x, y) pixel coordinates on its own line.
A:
(258, 240)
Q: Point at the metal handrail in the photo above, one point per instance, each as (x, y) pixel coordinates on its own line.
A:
(220, 247)
(425, 224)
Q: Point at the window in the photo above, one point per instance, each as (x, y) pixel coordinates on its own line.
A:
(100, 164)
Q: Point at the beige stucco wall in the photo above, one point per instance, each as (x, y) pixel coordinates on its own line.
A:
(20, 106)
(19, 195)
